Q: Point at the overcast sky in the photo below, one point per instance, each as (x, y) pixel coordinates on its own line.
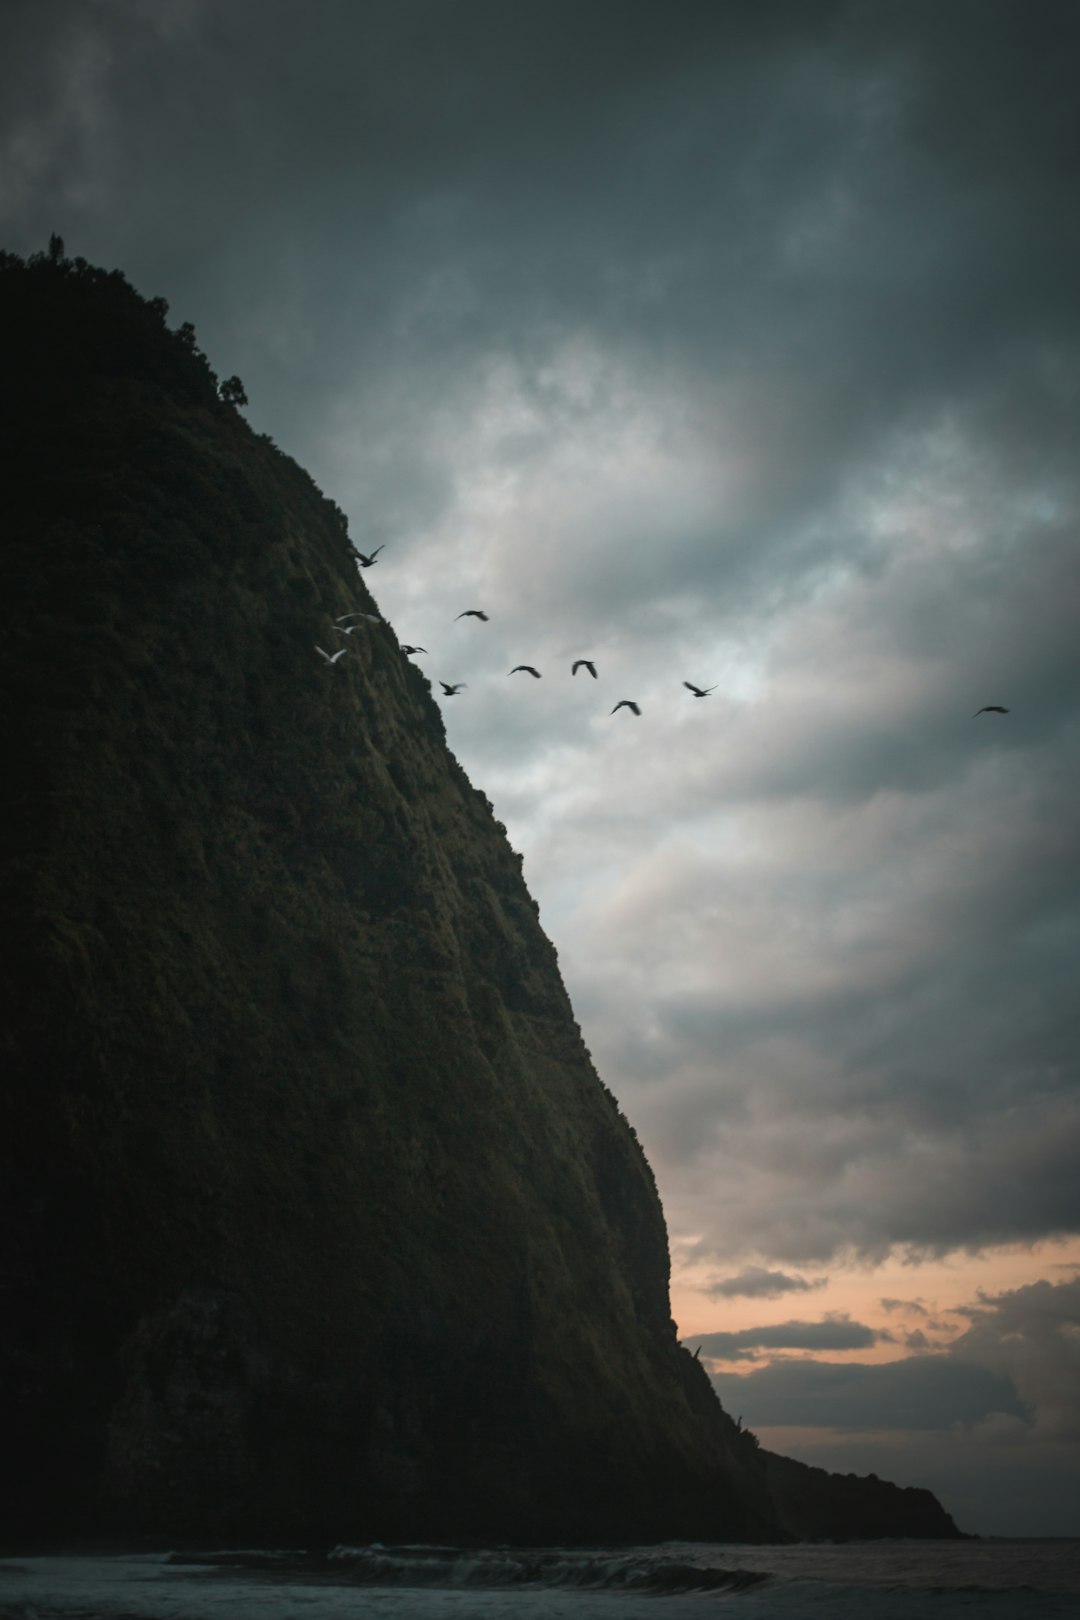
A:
(734, 344)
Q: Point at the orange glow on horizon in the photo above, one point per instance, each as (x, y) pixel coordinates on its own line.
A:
(925, 1297)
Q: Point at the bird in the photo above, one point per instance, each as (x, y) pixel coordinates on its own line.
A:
(698, 691)
(331, 658)
(372, 618)
(366, 562)
(528, 670)
(472, 613)
(989, 708)
(452, 691)
(407, 649)
(626, 704)
(585, 663)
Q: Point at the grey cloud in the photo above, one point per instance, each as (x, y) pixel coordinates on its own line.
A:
(834, 1333)
(1032, 1336)
(924, 1392)
(846, 1068)
(912, 1307)
(757, 1282)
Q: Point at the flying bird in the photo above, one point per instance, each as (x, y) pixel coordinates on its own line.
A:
(584, 663)
(472, 613)
(406, 649)
(626, 704)
(331, 658)
(698, 691)
(452, 691)
(366, 562)
(372, 618)
(527, 668)
(989, 708)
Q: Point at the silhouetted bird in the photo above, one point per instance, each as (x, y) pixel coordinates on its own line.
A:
(626, 704)
(331, 658)
(406, 649)
(698, 691)
(366, 562)
(452, 691)
(584, 663)
(472, 613)
(989, 708)
(527, 668)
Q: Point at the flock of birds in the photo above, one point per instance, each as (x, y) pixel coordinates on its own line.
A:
(451, 689)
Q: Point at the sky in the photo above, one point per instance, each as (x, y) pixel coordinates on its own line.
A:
(725, 343)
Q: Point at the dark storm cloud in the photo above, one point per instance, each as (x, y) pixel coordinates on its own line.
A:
(925, 1392)
(757, 1282)
(1032, 1335)
(834, 1333)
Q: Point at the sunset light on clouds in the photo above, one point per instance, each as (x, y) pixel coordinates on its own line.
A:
(732, 345)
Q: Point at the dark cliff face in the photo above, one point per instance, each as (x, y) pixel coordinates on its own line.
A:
(316, 1220)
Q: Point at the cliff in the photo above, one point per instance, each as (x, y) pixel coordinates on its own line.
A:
(818, 1506)
(316, 1221)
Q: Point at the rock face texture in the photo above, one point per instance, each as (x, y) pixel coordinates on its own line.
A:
(818, 1506)
(316, 1220)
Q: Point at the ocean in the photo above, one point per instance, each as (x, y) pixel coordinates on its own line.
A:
(879, 1580)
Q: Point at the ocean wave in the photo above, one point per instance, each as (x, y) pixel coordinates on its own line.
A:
(501, 1567)
(457, 1568)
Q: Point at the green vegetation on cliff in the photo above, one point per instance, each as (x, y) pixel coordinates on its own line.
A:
(316, 1219)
